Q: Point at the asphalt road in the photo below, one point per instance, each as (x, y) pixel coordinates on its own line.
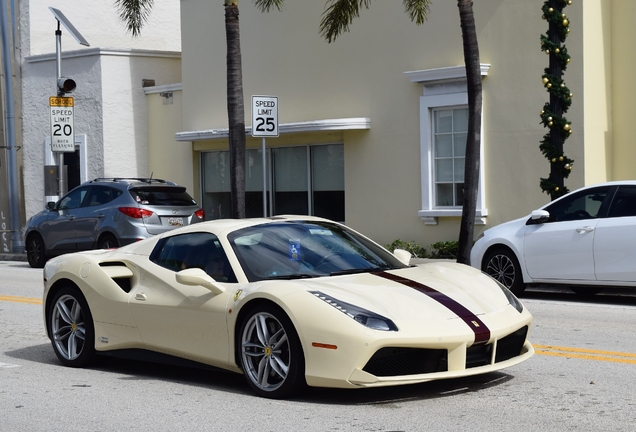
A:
(580, 379)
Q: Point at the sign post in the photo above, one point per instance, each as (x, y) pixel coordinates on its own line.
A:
(264, 124)
(62, 130)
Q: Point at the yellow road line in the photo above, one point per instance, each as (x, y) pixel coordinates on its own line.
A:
(17, 299)
(586, 354)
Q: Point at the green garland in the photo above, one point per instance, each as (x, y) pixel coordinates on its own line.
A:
(555, 86)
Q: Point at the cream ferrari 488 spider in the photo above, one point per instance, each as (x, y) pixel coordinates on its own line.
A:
(288, 302)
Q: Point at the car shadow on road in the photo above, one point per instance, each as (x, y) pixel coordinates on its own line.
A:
(225, 381)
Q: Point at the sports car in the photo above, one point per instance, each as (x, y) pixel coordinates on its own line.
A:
(288, 301)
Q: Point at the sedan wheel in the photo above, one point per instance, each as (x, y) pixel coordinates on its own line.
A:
(71, 328)
(108, 241)
(36, 254)
(502, 265)
(271, 355)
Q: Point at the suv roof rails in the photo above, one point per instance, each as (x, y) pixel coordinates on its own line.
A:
(144, 180)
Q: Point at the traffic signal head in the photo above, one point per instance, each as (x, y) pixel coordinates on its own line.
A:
(65, 85)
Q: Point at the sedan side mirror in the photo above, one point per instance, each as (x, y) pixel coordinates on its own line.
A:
(197, 277)
(50, 205)
(539, 217)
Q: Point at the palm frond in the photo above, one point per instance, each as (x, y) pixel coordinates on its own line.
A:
(418, 10)
(134, 14)
(267, 5)
(338, 15)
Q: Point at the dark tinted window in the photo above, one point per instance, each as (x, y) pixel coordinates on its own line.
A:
(582, 205)
(162, 195)
(74, 199)
(196, 250)
(624, 203)
(100, 195)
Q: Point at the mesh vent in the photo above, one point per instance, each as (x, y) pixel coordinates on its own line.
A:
(407, 361)
(511, 345)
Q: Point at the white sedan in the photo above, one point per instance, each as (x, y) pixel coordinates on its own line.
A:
(585, 239)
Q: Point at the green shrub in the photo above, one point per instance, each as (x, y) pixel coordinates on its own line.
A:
(445, 250)
(416, 250)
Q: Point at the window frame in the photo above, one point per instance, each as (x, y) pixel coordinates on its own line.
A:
(443, 88)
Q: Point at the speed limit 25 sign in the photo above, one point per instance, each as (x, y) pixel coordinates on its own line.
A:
(62, 133)
(264, 116)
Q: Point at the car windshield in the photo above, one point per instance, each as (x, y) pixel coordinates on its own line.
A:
(162, 196)
(301, 249)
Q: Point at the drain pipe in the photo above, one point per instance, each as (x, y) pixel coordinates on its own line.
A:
(10, 140)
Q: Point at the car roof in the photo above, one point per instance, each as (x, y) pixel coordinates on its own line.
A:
(131, 181)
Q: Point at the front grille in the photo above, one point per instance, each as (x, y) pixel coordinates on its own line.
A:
(391, 361)
(511, 345)
(478, 355)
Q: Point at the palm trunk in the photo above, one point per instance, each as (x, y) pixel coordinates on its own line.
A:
(471, 173)
(235, 109)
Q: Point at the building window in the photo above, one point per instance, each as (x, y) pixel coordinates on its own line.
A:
(306, 180)
(449, 137)
(443, 131)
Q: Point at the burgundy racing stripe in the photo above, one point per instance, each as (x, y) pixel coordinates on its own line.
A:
(482, 333)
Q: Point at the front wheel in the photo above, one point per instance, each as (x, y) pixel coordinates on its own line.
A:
(71, 328)
(503, 265)
(270, 353)
(35, 251)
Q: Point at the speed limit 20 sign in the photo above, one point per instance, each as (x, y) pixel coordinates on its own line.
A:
(62, 133)
(264, 116)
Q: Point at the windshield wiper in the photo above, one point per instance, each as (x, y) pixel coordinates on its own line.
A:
(358, 270)
(291, 276)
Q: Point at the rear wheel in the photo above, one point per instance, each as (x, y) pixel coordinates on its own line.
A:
(270, 353)
(36, 253)
(107, 241)
(502, 264)
(70, 327)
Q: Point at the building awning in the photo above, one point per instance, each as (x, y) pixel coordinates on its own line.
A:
(356, 123)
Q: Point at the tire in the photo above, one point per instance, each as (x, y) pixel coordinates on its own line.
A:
(270, 353)
(107, 241)
(36, 251)
(70, 327)
(502, 264)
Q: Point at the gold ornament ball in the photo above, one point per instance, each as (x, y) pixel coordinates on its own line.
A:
(551, 10)
(569, 2)
(549, 119)
(557, 50)
(562, 15)
(545, 81)
(571, 95)
(548, 85)
(568, 31)
(566, 127)
(547, 52)
(570, 131)
(568, 166)
(556, 189)
(542, 112)
(542, 16)
(550, 124)
(562, 85)
(553, 160)
(560, 158)
(568, 60)
(565, 22)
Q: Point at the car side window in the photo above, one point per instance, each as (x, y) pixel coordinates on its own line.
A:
(100, 195)
(73, 200)
(194, 250)
(583, 205)
(624, 202)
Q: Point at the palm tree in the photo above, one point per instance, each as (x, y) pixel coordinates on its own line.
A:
(337, 18)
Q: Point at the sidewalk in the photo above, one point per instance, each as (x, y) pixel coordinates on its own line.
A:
(13, 257)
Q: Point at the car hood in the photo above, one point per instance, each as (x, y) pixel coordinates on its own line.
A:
(421, 292)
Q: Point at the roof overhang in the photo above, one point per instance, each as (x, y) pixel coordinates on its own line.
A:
(355, 123)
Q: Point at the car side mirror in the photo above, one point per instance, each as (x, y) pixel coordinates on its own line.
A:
(539, 217)
(403, 255)
(50, 205)
(197, 277)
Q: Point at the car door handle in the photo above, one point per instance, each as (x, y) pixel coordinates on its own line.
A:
(72, 217)
(101, 215)
(140, 296)
(585, 229)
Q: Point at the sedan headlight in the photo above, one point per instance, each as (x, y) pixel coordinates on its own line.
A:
(361, 315)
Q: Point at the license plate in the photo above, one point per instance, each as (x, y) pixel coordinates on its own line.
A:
(175, 221)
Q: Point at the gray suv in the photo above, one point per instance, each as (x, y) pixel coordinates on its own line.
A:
(108, 213)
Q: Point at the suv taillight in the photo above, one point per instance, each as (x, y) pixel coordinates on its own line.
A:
(199, 213)
(135, 212)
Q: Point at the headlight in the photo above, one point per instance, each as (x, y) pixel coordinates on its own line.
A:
(363, 316)
(512, 299)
